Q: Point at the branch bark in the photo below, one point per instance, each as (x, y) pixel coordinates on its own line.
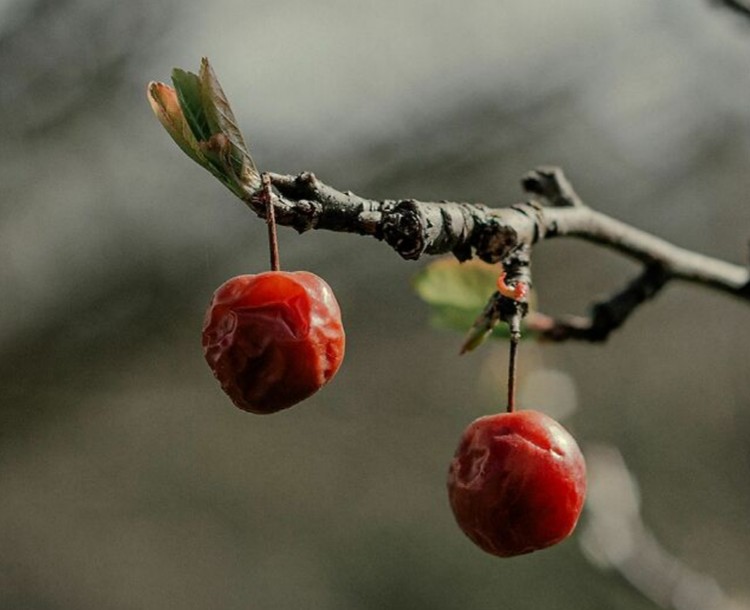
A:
(505, 235)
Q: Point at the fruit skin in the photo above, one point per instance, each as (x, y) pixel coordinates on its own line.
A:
(273, 339)
(517, 482)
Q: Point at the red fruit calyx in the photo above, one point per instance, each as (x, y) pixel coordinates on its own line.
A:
(273, 339)
(516, 483)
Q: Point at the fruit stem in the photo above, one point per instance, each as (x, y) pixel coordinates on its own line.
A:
(273, 239)
(515, 337)
(512, 372)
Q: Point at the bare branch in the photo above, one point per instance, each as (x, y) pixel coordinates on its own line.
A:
(678, 263)
(413, 228)
(198, 117)
(606, 316)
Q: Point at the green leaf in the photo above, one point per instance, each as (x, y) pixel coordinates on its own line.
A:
(465, 286)
(188, 87)
(221, 120)
(457, 294)
(166, 107)
(479, 332)
(207, 130)
(488, 324)
(452, 318)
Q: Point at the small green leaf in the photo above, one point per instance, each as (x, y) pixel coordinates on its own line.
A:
(457, 294)
(452, 318)
(188, 87)
(221, 120)
(463, 286)
(166, 107)
(198, 116)
(479, 332)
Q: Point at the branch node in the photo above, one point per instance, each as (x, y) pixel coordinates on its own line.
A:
(413, 228)
(551, 184)
(495, 240)
(403, 229)
(309, 180)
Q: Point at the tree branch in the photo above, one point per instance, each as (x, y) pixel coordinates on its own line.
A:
(198, 117)
(606, 316)
(414, 228)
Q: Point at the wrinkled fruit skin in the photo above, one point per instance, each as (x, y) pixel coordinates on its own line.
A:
(273, 339)
(516, 483)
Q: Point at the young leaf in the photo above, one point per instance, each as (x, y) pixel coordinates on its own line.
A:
(188, 87)
(457, 293)
(463, 286)
(166, 107)
(221, 120)
(485, 323)
(197, 115)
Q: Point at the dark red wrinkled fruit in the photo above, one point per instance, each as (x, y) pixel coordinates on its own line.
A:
(517, 483)
(273, 339)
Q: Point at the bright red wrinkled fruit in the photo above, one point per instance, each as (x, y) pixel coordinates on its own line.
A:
(516, 483)
(273, 339)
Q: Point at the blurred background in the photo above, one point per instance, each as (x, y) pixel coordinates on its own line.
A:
(127, 479)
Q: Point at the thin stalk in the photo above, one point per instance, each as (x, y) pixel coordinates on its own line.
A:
(514, 339)
(273, 238)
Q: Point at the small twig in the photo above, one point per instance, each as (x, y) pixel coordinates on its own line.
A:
(606, 316)
(550, 184)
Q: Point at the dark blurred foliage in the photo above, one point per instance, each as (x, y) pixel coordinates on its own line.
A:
(128, 480)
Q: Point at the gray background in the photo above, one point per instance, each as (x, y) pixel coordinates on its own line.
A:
(127, 480)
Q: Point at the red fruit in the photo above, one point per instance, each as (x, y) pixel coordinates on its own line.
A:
(516, 483)
(273, 339)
